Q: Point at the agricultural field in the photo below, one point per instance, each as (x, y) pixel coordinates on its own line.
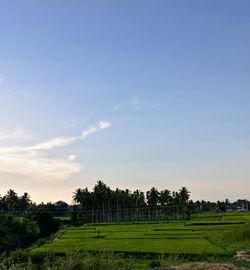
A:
(204, 234)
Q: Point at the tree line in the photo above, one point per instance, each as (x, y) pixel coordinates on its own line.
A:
(22, 221)
(103, 204)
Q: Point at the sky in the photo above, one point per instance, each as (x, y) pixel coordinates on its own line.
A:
(134, 93)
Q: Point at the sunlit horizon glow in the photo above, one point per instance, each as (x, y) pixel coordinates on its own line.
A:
(136, 94)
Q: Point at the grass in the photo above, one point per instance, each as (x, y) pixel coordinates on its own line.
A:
(167, 238)
(205, 236)
(73, 261)
(63, 218)
(232, 232)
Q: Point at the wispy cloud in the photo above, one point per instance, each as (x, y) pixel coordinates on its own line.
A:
(117, 107)
(14, 136)
(56, 142)
(87, 132)
(138, 107)
(136, 104)
(72, 157)
(1, 78)
(38, 166)
(104, 124)
(34, 161)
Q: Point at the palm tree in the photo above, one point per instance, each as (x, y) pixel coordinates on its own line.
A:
(77, 195)
(138, 203)
(117, 204)
(104, 204)
(103, 195)
(2, 203)
(24, 201)
(152, 200)
(165, 197)
(152, 197)
(77, 198)
(11, 200)
(184, 195)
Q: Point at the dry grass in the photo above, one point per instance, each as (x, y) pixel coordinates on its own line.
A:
(242, 256)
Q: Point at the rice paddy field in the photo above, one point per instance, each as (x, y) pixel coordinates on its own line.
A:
(204, 234)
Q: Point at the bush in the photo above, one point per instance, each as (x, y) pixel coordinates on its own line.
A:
(47, 223)
(41, 257)
(154, 263)
(16, 232)
(19, 256)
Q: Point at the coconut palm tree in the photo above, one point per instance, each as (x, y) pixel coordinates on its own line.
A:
(152, 200)
(11, 200)
(184, 195)
(24, 201)
(165, 197)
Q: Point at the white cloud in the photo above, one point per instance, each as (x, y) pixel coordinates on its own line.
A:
(38, 167)
(99, 126)
(88, 132)
(104, 124)
(54, 143)
(14, 136)
(50, 144)
(72, 157)
(33, 161)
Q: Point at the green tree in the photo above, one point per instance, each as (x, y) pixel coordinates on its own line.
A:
(24, 201)
(165, 197)
(184, 195)
(11, 200)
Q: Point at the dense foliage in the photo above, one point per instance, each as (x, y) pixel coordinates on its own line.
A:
(22, 222)
(105, 205)
(16, 232)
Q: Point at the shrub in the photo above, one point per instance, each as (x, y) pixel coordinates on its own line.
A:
(16, 232)
(19, 256)
(154, 263)
(47, 223)
(40, 257)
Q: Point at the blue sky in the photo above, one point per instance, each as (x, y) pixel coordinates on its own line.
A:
(136, 93)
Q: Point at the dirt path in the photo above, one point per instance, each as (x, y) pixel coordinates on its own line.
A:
(243, 256)
(202, 266)
(207, 266)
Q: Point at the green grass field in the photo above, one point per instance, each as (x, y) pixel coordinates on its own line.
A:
(202, 235)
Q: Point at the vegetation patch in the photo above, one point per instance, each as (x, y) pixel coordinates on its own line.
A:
(140, 238)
